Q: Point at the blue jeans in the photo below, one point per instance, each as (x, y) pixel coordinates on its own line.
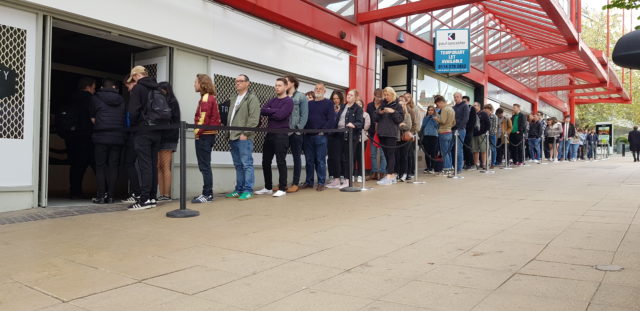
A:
(204, 145)
(374, 162)
(445, 141)
(573, 151)
(492, 140)
(462, 133)
(534, 148)
(315, 154)
(242, 155)
(563, 150)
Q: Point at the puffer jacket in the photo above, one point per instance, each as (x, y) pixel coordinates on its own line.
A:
(107, 108)
(388, 123)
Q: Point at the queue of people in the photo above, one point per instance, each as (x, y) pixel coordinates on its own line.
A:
(299, 124)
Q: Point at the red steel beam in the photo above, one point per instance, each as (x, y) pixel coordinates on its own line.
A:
(534, 52)
(571, 87)
(559, 72)
(609, 92)
(602, 101)
(410, 8)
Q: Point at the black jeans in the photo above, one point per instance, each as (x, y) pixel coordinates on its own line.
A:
(80, 155)
(107, 160)
(275, 144)
(147, 145)
(295, 143)
(430, 145)
(334, 150)
(412, 159)
(388, 147)
(204, 146)
(515, 147)
(130, 165)
(402, 157)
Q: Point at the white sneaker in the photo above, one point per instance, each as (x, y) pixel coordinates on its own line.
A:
(359, 179)
(344, 184)
(279, 193)
(264, 191)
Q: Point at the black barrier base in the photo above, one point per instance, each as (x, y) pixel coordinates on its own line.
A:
(183, 213)
(351, 189)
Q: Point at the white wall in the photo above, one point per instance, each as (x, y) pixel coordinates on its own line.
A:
(16, 157)
(219, 29)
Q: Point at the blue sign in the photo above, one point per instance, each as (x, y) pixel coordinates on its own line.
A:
(452, 51)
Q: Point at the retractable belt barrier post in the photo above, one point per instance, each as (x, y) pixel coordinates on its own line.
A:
(489, 154)
(351, 188)
(506, 143)
(524, 157)
(183, 212)
(361, 160)
(541, 154)
(455, 160)
(555, 150)
(415, 178)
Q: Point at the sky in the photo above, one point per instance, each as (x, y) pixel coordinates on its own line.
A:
(597, 4)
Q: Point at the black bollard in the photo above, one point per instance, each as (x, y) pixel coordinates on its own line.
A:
(183, 212)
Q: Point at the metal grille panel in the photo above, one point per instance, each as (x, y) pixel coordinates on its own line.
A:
(13, 46)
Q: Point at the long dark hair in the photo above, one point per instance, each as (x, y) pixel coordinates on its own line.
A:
(167, 89)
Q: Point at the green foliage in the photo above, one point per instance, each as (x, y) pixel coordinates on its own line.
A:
(622, 139)
(593, 33)
(624, 4)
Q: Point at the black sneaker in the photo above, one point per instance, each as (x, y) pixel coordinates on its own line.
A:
(133, 198)
(142, 205)
(202, 199)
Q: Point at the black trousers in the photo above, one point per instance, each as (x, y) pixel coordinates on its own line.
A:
(388, 147)
(636, 155)
(430, 145)
(515, 148)
(81, 155)
(411, 164)
(499, 150)
(468, 155)
(147, 145)
(275, 144)
(107, 161)
(334, 152)
(130, 165)
(402, 157)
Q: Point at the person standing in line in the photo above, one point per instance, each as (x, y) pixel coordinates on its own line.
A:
(334, 140)
(535, 132)
(321, 116)
(462, 117)
(245, 112)
(429, 133)
(553, 131)
(107, 112)
(207, 113)
(415, 125)
(493, 132)
(404, 147)
(298, 120)
(446, 121)
(504, 129)
(517, 133)
(311, 95)
(478, 142)
(130, 152)
(471, 124)
(80, 150)
(358, 165)
(168, 144)
(378, 169)
(568, 131)
(146, 141)
(389, 116)
(634, 143)
(349, 116)
(278, 111)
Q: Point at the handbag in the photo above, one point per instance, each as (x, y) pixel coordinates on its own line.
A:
(407, 136)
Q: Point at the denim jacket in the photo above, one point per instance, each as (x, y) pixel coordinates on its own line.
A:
(429, 126)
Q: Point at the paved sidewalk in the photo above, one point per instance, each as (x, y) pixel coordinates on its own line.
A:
(525, 239)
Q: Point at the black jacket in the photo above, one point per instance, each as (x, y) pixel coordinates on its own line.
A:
(172, 135)
(139, 98)
(107, 107)
(371, 110)
(535, 129)
(522, 122)
(388, 123)
(485, 123)
(354, 115)
(81, 107)
(634, 140)
(471, 123)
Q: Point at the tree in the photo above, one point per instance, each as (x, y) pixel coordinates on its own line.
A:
(625, 5)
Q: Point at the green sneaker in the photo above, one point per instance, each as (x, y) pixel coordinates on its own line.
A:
(246, 196)
(232, 195)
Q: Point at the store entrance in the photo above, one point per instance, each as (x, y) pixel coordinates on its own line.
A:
(79, 52)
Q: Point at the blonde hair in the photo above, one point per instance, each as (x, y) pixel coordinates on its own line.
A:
(355, 93)
(391, 91)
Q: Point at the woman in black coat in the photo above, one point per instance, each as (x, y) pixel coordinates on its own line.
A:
(168, 144)
(389, 116)
(634, 143)
(350, 116)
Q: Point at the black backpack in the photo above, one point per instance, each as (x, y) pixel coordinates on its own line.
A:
(158, 110)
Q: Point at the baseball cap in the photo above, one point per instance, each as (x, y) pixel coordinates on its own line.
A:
(136, 70)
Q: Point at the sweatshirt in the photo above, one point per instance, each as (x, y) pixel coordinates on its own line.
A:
(207, 113)
(321, 115)
(278, 111)
(462, 115)
(446, 120)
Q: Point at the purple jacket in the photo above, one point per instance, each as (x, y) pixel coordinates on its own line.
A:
(279, 111)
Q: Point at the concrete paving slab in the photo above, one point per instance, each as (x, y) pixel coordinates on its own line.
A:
(466, 277)
(436, 296)
(562, 271)
(315, 300)
(548, 287)
(361, 285)
(618, 296)
(16, 296)
(510, 302)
